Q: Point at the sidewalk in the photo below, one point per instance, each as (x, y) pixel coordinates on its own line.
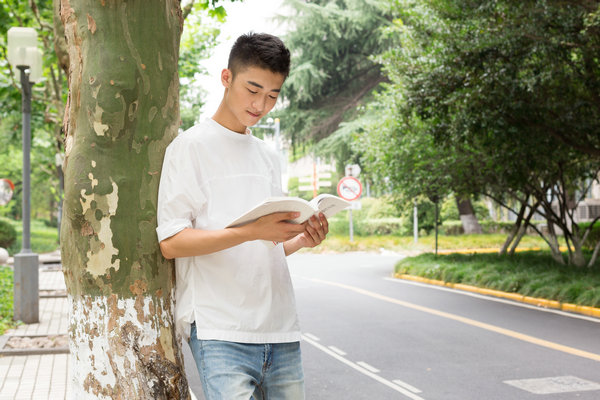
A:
(39, 373)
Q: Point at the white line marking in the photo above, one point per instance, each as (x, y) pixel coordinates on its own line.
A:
(496, 299)
(361, 369)
(557, 384)
(311, 336)
(368, 367)
(337, 351)
(406, 386)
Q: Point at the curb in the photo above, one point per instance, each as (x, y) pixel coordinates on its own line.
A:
(32, 350)
(574, 308)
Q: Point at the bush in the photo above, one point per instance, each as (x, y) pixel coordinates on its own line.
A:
(379, 226)
(452, 228)
(8, 234)
(380, 208)
(377, 216)
(456, 228)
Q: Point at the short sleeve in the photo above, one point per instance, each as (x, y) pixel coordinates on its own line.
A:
(180, 196)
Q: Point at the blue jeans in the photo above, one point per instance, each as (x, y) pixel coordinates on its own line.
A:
(240, 371)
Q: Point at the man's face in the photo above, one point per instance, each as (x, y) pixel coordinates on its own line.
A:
(249, 96)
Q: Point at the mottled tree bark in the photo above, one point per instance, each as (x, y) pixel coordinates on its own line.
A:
(122, 112)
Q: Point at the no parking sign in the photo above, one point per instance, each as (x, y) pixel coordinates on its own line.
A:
(349, 188)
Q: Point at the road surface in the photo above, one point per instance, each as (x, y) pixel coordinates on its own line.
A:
(368, 336)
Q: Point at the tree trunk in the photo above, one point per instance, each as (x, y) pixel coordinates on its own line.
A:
(515, 229)
(594, 255)
(552, 241)
(122, 112)
(576, 257)
(467, 215)
(523, 228)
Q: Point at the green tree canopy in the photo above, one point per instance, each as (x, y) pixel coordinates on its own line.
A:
(332, 71)
(500, 97)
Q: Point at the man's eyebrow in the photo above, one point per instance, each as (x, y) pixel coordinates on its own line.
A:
(261, 86)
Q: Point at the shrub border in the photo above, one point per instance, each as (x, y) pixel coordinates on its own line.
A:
(536, 301)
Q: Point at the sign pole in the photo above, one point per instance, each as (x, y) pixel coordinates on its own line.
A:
(415, 222)
(351, 227)
(349, 188)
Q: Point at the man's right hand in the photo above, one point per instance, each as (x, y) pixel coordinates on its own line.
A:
(276, 227)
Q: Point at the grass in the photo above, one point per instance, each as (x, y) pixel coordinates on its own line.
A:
(6, 299)
(530, 273)
(44, 239)
(406, 245)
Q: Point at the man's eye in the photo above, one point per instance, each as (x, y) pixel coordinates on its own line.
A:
(252, 91)
(273, 97)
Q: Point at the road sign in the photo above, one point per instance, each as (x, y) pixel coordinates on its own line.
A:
(349, 188)
(6, 191)
(352, 170)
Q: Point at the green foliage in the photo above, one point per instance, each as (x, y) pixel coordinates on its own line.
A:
(8, 234)
(6, 299)
(593, 236)
(377, 216)
(481, 102)
(382, 207)
(533, 274)
(198, 39)
(48, 98)
(332, 73)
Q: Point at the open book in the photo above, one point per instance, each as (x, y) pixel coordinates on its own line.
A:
(328, 204)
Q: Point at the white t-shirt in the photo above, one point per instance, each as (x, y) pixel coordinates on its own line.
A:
(210, 176)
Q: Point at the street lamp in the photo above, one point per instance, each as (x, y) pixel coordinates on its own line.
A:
(27, 58)
(275, 125)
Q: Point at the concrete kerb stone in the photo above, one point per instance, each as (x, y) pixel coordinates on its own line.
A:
(539, 302)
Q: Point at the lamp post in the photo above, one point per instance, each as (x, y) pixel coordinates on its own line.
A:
(27, 58)
(275, 125)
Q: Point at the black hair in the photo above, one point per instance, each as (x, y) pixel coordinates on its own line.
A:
(259, 50)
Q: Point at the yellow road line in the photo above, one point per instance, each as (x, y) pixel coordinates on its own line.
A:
(468, 321)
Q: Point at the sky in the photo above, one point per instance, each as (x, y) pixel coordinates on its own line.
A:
(242, 17)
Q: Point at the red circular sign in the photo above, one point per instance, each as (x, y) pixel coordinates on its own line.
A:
(6, 191)
(349, 188)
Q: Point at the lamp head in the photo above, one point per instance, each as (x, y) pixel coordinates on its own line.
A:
(23, 51)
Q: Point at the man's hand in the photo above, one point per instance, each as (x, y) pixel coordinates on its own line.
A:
(315, 231)
(276, 227)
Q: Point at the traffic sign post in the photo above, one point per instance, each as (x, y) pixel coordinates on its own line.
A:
(349, 188)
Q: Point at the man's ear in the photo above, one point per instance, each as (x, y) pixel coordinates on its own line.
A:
(226, 77)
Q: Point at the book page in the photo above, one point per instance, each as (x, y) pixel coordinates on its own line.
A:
(276, 204)
(329, 204)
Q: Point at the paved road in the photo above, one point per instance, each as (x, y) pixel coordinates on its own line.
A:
(367, 336)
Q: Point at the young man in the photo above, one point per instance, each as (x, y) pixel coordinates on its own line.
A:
(234, 297)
